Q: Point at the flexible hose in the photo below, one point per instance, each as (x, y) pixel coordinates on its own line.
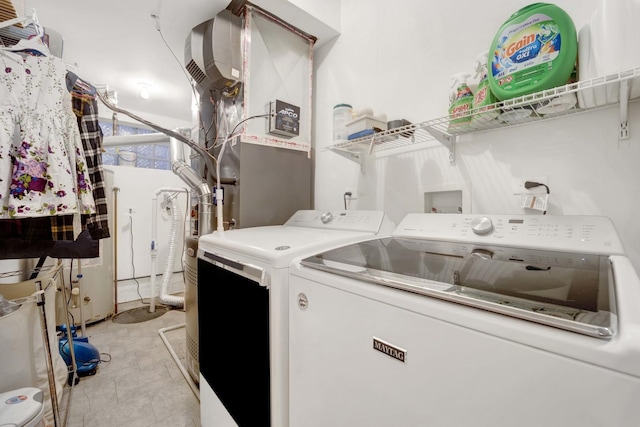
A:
(165, 297)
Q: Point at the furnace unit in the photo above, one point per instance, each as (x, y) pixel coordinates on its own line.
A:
(252, 77)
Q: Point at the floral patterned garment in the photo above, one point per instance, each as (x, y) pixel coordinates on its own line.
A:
(43, 171)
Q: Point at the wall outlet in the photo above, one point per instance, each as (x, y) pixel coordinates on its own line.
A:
(352, 191)
(520, 189)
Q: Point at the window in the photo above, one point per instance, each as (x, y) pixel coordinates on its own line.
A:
(150, 156)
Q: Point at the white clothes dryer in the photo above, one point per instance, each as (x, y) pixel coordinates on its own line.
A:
(243, 319)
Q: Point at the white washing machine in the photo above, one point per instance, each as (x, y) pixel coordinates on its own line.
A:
(242, 310)
(457, 320)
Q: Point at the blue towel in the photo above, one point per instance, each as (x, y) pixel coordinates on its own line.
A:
(361, 134)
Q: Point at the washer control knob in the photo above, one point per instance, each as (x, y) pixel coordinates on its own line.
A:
(482, 225)
(326, 217)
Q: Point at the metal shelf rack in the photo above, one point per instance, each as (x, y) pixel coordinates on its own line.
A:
(594, 94)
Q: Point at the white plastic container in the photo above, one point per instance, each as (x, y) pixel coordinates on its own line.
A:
(363, 123)
(342, 113)
(22, 407)
(610, 43)
(615, 36)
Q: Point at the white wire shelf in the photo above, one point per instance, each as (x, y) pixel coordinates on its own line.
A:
(573, 98)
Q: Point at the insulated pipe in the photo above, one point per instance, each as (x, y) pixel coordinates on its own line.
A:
(179, 301)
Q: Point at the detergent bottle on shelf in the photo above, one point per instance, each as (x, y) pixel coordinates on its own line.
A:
(534, 50)
(460, 102)
(483, 99)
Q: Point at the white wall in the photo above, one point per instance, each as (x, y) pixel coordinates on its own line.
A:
(397, 57)
(137, 189)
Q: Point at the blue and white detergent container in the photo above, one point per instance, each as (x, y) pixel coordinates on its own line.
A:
(534, 50)
(23, 407)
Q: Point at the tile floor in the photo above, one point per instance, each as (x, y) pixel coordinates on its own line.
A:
(138, 382)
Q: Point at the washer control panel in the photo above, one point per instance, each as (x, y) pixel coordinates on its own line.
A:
(584, 233)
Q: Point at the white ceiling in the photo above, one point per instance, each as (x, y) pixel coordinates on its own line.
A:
(116, 43)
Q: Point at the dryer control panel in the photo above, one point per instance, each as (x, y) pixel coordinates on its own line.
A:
(346, 220)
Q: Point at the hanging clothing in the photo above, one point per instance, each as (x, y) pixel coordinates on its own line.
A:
(85, 107)
(43, 169)
(38, 229)
(82, 247)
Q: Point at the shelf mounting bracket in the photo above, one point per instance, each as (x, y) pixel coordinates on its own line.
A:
(449, 141)
(355, 156)
(624, 110)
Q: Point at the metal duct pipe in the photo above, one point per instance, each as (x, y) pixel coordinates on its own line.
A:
(196, 183)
